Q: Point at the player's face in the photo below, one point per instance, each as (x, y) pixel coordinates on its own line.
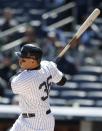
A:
(27, 63)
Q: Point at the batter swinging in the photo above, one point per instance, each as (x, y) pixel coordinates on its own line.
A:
(33, 87)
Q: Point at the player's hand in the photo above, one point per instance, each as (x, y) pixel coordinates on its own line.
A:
(57, 60)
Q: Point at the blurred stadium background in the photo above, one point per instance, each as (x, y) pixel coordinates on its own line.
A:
(77, 106)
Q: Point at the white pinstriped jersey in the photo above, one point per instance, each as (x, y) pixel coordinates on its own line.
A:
(33, 87)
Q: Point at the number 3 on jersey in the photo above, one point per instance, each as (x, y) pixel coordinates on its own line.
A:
(46, 85)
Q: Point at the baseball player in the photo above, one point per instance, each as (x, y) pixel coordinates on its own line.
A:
(33, 87)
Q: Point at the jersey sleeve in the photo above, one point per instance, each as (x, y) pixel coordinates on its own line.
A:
(56, 74)
(15, 88)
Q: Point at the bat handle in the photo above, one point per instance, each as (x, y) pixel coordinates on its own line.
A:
(71, 44)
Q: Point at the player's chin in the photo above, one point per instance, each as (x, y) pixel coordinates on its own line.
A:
(22, 66)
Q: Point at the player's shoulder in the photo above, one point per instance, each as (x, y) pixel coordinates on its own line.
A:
(49, 64)
(20, 76)
(44, 62)
(14, 76)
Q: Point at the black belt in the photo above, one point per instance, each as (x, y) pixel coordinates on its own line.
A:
(27, 115)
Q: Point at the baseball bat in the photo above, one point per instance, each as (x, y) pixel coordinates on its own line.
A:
(87, 23)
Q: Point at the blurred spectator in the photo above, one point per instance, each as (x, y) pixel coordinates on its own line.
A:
(61, 36)
(8, 20)
(48, 46)
(3, 86)
(86, 37)
(30, 36)
(7, 23)
(7, 69)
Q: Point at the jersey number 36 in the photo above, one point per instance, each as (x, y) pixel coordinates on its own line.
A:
(46, 85)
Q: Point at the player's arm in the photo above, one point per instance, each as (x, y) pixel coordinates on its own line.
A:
(57, 76)
(62, 81)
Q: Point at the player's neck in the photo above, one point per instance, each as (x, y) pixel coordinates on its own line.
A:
(35, 68)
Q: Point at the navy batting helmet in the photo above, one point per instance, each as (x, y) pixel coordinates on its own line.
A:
(30, 51)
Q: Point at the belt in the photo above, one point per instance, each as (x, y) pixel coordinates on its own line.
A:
(28, 115)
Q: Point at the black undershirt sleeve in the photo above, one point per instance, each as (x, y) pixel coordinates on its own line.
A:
(62, 81)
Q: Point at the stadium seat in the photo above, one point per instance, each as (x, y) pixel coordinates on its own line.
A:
(81, 103)
(58, 102)
(100, 78)
(5, 101)
(94, 86)
(68, 86)
(84, 78)
(95, 95)
(21, 19)
(35, 14)
(8, 93)
(71, 85)
(91, 70)
(18, 12)
(73, 94)
(54, 93)
(98, 103)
